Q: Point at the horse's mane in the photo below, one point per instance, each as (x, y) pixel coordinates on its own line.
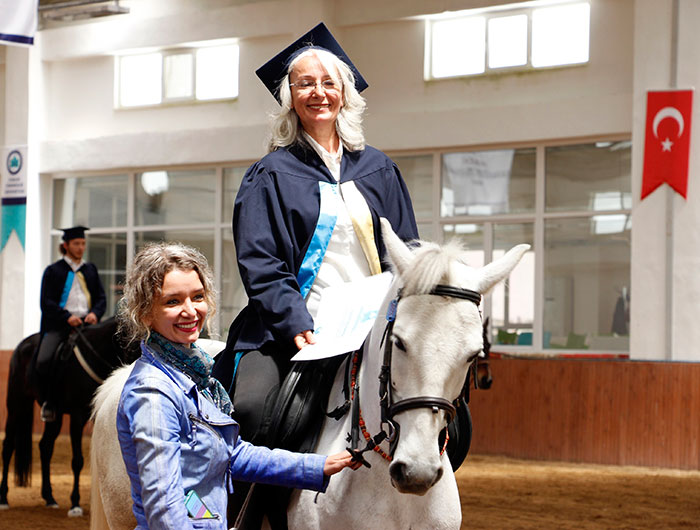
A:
(430, 265)
(110, 388)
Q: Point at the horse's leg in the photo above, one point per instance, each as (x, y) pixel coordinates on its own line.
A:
(48, 439)
(8, 447)
(77, 424)
(20, 417)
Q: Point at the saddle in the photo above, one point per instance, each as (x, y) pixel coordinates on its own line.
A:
(292, 419)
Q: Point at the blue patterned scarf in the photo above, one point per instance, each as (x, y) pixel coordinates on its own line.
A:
(196, 364)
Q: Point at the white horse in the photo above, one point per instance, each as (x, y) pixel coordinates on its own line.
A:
(434, 338)
(436, 335)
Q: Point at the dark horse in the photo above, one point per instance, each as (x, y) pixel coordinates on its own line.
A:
(88, 356)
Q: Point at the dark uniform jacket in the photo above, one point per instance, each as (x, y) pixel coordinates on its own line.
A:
(53, 316)
(275, 215)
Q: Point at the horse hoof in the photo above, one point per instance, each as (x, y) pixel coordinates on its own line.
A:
(75, 511)
(4, 506)
(52, 505)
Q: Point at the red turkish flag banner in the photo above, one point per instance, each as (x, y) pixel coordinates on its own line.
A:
(667, 140)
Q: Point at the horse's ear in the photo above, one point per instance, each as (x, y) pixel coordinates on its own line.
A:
(498, 270)
(399, 254)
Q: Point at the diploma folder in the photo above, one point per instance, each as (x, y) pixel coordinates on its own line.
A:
(346, 314)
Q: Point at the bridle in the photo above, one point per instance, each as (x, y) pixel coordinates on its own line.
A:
(389, 427)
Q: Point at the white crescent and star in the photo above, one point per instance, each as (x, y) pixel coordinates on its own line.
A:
(668, 112)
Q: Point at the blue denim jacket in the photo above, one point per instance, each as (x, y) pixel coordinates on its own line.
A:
(173, 440)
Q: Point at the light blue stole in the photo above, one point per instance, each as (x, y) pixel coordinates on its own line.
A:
(327, 217)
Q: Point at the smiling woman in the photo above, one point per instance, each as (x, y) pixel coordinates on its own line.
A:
(181, 309)
(313, 204)
(178, 441)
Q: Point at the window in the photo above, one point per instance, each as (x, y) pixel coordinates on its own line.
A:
(571, 202)
(572, 294)
(126, 211)
(514, 37)
(90, 201)
(488, 182)
(417, 172)
(177, 76)
(175, 197)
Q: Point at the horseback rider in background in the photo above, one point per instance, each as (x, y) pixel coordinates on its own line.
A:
(71, 295)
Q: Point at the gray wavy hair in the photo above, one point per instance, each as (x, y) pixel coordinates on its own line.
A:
(144, 283)
(286, 128)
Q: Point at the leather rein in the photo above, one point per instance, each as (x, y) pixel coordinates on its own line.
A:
(389, 427)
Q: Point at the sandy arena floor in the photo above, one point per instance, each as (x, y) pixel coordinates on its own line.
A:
(497, 493)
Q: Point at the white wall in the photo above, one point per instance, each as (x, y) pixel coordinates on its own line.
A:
(666, 288)
(404, 112)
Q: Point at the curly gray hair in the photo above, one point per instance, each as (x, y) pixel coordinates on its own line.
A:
(286, 128)
(144, 282)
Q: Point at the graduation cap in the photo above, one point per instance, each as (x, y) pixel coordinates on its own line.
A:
(272, 72)
(76, 232)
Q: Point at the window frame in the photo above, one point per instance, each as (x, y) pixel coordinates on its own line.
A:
(190, 50)
(221, 224)
(489, 13)
(538, 218)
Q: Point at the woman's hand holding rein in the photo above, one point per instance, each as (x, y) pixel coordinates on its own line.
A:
(338, 462)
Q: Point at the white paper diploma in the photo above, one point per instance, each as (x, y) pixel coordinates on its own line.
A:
(346, 314)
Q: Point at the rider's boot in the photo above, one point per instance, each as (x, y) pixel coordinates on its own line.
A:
(48, 412)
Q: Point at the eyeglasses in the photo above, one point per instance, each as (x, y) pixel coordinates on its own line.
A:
(308, 85)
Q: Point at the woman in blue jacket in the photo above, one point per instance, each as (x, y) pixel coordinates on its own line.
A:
(180, 445)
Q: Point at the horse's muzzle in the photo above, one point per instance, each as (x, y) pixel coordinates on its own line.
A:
(414, 479)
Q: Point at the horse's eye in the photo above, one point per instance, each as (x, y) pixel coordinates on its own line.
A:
(399, 344)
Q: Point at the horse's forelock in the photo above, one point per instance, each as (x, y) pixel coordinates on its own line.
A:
(430, 265)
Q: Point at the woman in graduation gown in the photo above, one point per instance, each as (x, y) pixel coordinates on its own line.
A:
(306, 215)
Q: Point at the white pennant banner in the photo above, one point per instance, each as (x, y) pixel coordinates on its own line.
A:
(18, 21)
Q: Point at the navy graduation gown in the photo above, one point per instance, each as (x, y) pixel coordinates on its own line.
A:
(53, 316)
(275, 215)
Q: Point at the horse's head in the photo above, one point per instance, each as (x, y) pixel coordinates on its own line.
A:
(436, 336)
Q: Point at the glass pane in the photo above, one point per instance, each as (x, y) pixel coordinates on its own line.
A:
(233, 177)
(140, 79)
(488, 182)
(586, 291)
(471, 236)
(425, 232)
(417, 172)
(217, 72)
(178, 76)
(90, 201)
(513, 301)
(458, 46)
(233, 296)
(560, 34)
(202, 240)
(175, 197)
(589, 177)
(508, 41)
(108, 253)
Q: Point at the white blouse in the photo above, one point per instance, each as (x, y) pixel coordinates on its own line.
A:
(344, 260)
